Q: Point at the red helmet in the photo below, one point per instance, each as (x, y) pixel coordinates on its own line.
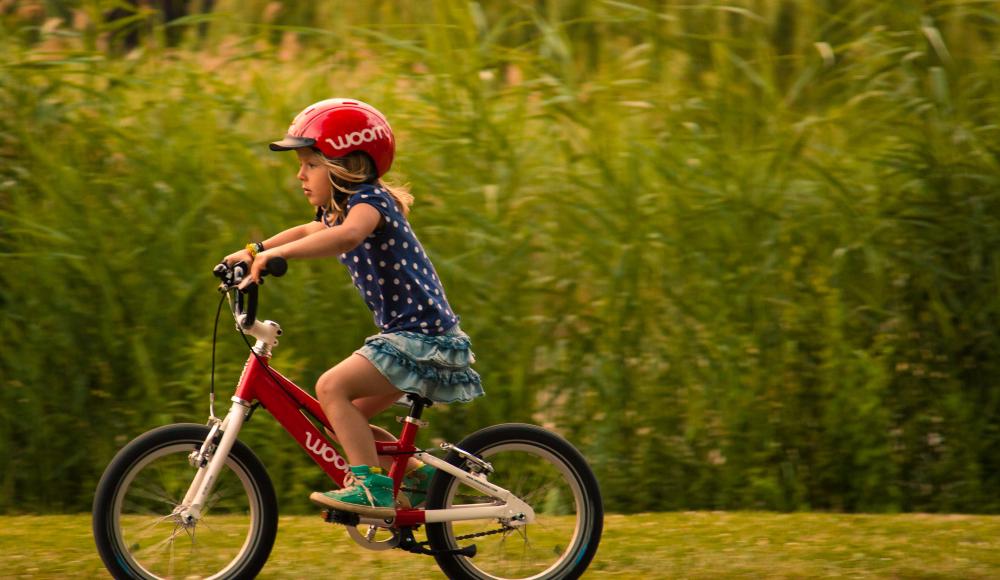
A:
(340, 126)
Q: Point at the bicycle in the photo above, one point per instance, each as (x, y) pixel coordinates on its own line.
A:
(191, 500)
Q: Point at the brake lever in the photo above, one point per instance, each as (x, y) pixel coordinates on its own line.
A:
(239, 270)
(231, 276)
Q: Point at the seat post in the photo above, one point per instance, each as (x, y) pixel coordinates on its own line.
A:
(411, 424)
(417, 405)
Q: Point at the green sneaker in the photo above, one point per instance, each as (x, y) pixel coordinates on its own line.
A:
(364, 492)
(415, 484)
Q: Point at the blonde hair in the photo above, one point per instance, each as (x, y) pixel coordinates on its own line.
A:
(352, 170)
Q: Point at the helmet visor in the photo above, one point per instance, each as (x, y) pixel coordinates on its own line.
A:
(290, 142)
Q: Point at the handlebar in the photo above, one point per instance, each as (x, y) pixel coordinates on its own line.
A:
(276, 266)
(231, 277)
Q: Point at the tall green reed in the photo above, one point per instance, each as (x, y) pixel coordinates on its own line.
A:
(745, 256)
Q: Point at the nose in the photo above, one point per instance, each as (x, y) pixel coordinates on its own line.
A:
(301, 175)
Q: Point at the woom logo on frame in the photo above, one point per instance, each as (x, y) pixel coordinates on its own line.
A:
(321, 449)
(359, 137)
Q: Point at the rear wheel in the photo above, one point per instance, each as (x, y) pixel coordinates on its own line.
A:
(549, 474)
(138, 534)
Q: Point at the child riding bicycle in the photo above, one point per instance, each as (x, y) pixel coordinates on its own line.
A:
(345, 147)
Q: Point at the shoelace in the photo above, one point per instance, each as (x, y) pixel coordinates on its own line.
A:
(351, 482)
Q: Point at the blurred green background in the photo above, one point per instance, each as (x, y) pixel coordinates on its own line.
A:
(745, 255)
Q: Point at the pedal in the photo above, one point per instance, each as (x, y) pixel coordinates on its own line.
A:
(339, 517)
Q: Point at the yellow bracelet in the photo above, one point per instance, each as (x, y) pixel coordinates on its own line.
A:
(254, 248)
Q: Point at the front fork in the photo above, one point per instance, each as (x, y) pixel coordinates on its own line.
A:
(210, 461)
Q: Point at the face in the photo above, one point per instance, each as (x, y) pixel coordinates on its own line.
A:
(315, 178)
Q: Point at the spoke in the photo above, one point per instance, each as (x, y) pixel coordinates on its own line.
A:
(148, 526)
(203, 522)
(169, 540)
(222, 492)
(171, 559)
(501, 551)
(160, 496)
(523, 531)
(190, 533)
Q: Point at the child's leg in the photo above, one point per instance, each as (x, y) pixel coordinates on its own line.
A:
(354, 379)
(369, 407)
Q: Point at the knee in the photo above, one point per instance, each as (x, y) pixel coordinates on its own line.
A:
(329, 389)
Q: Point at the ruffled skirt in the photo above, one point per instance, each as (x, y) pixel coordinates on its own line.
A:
(436, 367)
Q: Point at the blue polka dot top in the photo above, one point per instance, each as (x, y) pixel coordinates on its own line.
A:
(392, 272)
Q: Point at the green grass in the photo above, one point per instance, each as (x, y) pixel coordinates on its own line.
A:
(745, 252)
(663, 545)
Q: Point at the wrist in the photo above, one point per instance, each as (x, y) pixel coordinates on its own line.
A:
(272, 253)
(254, 248)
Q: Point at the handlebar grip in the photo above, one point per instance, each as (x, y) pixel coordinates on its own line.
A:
(276, 266)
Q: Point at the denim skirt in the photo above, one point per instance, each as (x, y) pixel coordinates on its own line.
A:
(436, 367)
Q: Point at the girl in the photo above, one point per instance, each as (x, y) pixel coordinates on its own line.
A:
(344, 148)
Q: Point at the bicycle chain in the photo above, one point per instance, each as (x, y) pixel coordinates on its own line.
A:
(481, 534)
(469, 536)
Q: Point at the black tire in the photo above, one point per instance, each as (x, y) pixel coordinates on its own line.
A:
(133, 528)
(542, 469)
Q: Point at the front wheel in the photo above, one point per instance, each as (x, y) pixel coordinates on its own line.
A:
(138, 534)
(545, 471)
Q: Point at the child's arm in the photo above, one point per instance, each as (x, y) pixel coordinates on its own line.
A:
(292, 234)
(289, 235)
(359, 223)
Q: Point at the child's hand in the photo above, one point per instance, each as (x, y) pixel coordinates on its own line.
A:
(235, 257)
(259, 264)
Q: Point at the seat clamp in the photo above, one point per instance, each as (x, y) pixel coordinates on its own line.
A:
(417, 422)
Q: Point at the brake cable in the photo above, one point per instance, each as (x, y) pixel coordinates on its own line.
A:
(239, 327)
(215, 334)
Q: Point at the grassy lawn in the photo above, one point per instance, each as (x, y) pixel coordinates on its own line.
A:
(666, 545)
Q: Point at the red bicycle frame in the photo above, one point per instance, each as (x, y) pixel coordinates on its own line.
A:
(288, 403)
